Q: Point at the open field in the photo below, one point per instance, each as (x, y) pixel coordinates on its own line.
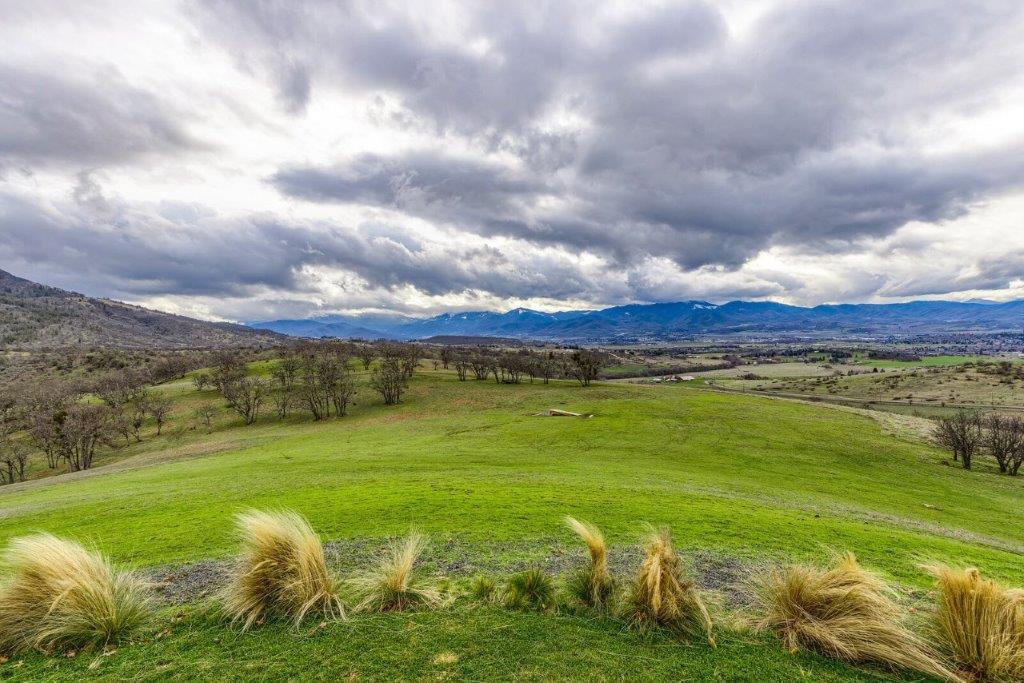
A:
(743, 478)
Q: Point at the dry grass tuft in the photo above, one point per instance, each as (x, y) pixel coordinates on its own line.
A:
(394, 585)
(592, 586)
(282, 572)
(845, 612)
(62, 596)
(981, 623)
(662, 596)
(530, 589)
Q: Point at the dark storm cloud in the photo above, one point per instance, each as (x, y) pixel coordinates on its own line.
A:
(91, 119)
(699, 146)
(178, 249)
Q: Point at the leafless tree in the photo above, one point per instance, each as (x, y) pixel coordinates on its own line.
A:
(205, 412)
(13, 458)
(367, 353)
(389, 379)
(961, 434)
(245, 395)
(85, 427)
(481, 365)
(159, 407)
(1004, 438)
(447, 356)
(461, 364)
(201, 380)
(585, 366)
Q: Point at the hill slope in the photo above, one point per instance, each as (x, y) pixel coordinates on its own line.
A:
(34, 316)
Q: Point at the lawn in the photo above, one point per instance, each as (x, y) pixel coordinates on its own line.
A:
(468, 462)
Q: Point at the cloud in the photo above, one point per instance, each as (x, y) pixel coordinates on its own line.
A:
(84, 119)
(494, 154)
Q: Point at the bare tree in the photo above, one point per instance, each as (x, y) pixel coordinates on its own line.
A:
(85, 427)
(481, 365)
(201, 380)
(389, 379)
(159, 407)
(245, 396)
(461, 364)
(367, 353)
(13, 458)
(1004, 438)
(961, 434)
(447, 356)
(205, 413)
(585, 365)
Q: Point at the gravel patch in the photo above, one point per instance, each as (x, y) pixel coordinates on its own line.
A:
(455, 558)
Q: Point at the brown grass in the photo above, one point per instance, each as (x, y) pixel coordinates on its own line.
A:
(844, 612)
(663, 596)
(981, 623)
(592, 586)
(63, 596)
(281, 573)
(394, 585)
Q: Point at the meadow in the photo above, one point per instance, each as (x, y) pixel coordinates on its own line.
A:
(743, 479)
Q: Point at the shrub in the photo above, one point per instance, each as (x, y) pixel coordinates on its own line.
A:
(981, 624)
(530, 589)
(662, 596)
(844, 612)
(394, 585)
(483, 588)
(593, 585)
(63, 596)
(282, 572)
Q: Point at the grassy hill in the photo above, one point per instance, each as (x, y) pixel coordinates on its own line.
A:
(740, 480)
(34, 316)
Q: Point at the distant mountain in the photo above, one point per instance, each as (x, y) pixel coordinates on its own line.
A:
(681, 318)
(34, 316)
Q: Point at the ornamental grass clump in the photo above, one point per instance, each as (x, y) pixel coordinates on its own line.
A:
(395, 585)
(282, 572)
(61, 596)
(844, 612)
(593, 585)
(530, 590)
(981, 624)
(663, 596)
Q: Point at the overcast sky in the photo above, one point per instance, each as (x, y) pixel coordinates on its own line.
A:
(243, 160)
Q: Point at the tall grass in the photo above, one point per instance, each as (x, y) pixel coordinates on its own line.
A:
(661, 595)
(281, 573)
(63, 596)
(981, 623)
(530, 589)
(394, 585)
(845, 612)
(593, 585)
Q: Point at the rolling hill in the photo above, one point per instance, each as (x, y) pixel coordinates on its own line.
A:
(35, 316)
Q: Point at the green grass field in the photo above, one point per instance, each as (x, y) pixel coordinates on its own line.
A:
(744, 477)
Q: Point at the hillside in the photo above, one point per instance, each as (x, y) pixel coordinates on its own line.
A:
(34, 316)
(739, 480)
(678, 319)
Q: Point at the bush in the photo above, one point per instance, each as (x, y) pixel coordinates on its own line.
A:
(531, 589)
(981, 624)
(592, 586)
(62, 596)
(661, 596)
(282, 572)
(845, 612)
(394, 585)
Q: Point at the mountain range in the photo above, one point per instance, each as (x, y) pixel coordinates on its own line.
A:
(35, 316)
(676, 319)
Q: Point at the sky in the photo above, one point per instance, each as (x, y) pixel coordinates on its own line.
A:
(260, 159)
